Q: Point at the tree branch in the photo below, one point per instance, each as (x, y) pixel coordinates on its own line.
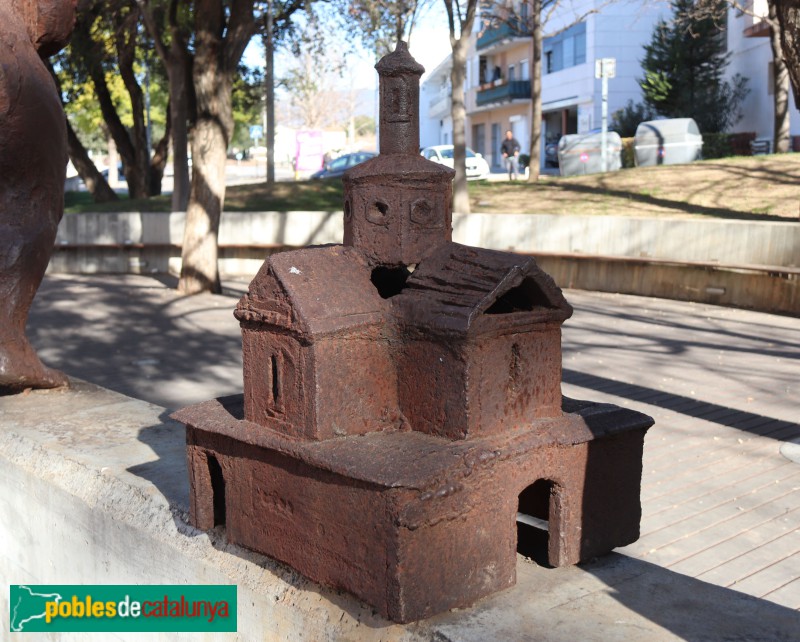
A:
(152, 29)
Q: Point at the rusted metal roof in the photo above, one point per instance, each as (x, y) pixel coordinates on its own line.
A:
(314, 291)
(459, 288)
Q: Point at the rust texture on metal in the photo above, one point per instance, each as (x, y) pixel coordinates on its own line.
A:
(402, 403)
(33, 161)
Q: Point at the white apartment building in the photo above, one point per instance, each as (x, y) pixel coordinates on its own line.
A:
(436, 123)
(751, 56)
(498, 74)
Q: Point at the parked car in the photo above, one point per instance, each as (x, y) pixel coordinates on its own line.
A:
(477, 167)
(120, 172)
(338, 166)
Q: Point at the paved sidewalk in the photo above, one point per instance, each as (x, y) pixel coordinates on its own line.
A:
(721, 504)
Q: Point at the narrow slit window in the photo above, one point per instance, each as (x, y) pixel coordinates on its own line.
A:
(276, 383)
(217, 489)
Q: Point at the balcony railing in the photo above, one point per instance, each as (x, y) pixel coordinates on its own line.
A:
(504, 31)
(504, 93)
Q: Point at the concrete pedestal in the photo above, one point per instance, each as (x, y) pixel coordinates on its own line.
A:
(93, 489)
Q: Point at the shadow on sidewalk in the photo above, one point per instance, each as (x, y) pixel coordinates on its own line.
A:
(616, 596)
(612, 597)
(135, 336)
(690, 608)
(741, 420)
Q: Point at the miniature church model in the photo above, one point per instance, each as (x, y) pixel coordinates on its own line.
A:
(402, 433)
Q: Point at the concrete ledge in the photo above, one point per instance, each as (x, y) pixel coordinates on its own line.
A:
(600, 253)
(93, 489)
(723, 241)
(756, 288)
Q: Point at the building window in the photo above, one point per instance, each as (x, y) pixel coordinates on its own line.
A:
(478, 138)
(496, 155)
(524, 70)
(565, 50)
(512, 75)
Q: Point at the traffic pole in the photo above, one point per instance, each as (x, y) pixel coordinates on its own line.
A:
(604, 120)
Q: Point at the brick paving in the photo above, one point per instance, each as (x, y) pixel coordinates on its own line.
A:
(720, 503)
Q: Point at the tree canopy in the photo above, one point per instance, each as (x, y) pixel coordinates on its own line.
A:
(380, 24)
(684, 67)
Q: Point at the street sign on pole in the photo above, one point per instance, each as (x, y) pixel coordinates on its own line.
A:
(256, 132)
(604, 68)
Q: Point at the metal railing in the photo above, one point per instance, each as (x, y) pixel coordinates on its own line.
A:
(504, 93)
(504, 31)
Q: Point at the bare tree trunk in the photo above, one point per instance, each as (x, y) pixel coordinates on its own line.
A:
(210, 136)
(137, 183)
(269, 81)
(788, 12)
(95, 182)
(97, 185)
(179, 74)
(177, 60)
(460, 20)
(159, 160)
(137, 164)
(199, 269)
(458, 112)
(780, 78)
(535, 153)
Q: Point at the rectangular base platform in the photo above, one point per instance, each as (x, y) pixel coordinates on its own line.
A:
(415, 524)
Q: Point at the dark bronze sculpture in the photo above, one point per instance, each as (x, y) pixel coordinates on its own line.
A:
(402, 432)
(33, 160)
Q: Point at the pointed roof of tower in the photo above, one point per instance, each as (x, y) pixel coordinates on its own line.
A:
(399, 62)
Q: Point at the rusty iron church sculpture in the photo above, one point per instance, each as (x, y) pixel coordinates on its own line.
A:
(402, 431)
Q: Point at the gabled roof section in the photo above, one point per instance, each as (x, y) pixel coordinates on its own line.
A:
(461, 289)
(314, 291)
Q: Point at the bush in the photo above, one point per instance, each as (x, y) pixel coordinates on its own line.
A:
(740, 143)
(723, 145)
(628, 156)
(717, 145)
(625, 121)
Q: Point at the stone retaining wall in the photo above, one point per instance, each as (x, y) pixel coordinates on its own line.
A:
(769, 252)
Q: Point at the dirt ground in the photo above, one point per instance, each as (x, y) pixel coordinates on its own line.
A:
(757, 187)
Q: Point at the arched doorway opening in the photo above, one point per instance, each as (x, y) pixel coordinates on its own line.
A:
(533, 521)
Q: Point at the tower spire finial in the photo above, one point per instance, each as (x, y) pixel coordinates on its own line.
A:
(399, 77)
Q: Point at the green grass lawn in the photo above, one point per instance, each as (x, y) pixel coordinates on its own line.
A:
(755, 188)
(256, 197)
